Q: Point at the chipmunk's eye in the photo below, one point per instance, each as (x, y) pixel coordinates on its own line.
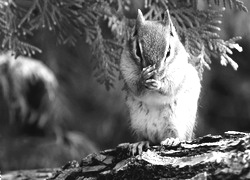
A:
(138, 50)
(168, 53)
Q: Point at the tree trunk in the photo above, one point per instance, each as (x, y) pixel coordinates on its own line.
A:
(208, 157)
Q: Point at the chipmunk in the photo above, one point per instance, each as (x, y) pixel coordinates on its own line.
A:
(162, 88)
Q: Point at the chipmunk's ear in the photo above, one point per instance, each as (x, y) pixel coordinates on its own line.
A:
(168, 22)
(140, 19)
(166, 18)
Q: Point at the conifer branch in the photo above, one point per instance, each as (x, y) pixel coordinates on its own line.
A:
(198, 30)
(73, 20)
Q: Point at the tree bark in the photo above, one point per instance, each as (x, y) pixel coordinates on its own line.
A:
(208, 157)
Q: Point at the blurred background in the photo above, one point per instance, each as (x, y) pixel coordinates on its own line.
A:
(99, 118)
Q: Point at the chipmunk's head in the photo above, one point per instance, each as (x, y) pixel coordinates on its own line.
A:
(151, 40)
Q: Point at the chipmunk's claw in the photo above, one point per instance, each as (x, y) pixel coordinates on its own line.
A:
(148, 72)
(138, 147)
(153, 84)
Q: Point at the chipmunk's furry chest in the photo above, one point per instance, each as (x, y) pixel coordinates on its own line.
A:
(150, 122)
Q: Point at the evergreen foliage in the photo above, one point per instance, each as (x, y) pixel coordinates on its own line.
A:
(73, 20)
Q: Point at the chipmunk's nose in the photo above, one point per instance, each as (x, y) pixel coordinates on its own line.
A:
(150, 63)
(159, 70)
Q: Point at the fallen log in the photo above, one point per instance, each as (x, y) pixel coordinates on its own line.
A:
(207, 157)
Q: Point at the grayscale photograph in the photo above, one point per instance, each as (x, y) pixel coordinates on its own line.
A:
(124, 89)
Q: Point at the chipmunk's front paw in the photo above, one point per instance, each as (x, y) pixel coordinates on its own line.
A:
(138, 147)
(171, 142)
(147, 73)
(153, 84)
(146, 78)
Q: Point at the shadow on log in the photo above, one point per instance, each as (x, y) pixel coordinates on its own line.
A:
(208, 157)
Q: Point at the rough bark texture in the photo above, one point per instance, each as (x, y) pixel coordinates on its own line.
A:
(208, 157)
